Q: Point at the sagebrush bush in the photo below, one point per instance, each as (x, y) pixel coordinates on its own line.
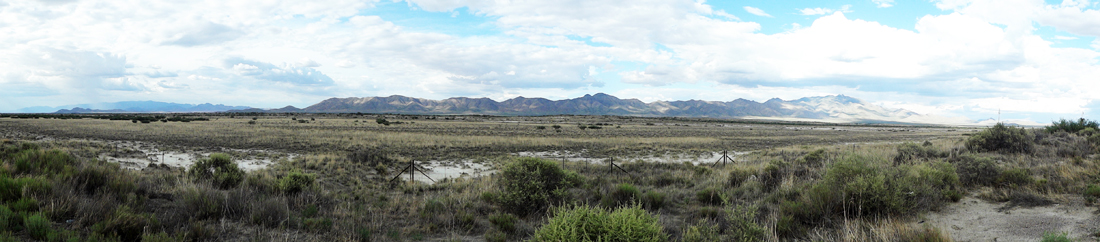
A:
(743, 225)
(530, 184)
(37, 226)
(584, 223)
(701, 232)
(911, 151)
(1055, 237)
(815, 158)
(1001, 138)
(295, 182)
(859, 186)
(622, 194)
(504, 222)
(1069, 126)
(48, 162)
(218, 168)
(976, 171)
(711, 196)
(653, 200)
(125, 224)
(1015, 177)
(738, 176)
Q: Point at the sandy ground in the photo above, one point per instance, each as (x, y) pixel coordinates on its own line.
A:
(976, 220)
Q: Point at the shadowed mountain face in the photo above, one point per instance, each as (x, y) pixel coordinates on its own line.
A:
(840, 108)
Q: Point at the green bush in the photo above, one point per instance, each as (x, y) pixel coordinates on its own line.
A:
(710, 196)
(1001, 138)
(218, 168)
(815, 158)
(1068, 126)
(701, 232)
(653, 200)
(773, 174)
(912, 151)
(161, 237)
(583, 223)
(46, 162)
(1015, 177)
(530, 184)
(743, 226)
(25, 204)
(1055, 237)
(37, 226)
(974, 171)
(296, 182)
(7, 218)
(858, 186)
(623, 194)
(125, 224)
(1092, 191)
(738, 176)
(504, 222)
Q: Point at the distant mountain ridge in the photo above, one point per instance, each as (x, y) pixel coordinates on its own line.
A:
(839, 108)
(134, 107)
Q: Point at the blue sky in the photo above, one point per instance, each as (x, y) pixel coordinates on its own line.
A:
(1031, 60)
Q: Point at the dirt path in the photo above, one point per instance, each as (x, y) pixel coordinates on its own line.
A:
(976, 220)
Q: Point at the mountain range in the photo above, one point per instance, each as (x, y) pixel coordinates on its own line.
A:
(133, 107)
(834, 108)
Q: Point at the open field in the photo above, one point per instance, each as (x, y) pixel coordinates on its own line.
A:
(327, 177)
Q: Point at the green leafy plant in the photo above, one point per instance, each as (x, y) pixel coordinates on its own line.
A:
(1001, 138)
(584, 223)
(530, 184)
(218, 168)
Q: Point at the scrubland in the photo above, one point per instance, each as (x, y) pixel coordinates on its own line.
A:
(800, 182)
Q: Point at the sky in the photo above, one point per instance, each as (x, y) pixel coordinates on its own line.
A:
(1029, 60)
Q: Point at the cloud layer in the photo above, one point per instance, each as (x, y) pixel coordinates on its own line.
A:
(972, 59)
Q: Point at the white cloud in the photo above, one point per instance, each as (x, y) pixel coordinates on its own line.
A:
(823, 11)
(883, 3)
(1062, 37)
(757, 11)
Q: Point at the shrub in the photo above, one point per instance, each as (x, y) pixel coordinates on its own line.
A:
(25, 204)
(701, 232)
(1015, 177)
(855, 186)
(583, 223)
(743, 226)
(125, 225)
(296, 182)
(160, 237)
(1067, 126)
(911, 151)
(218, 168)
(504, 222)
(653, 200)
(530, 184)
(1092, 191)
(272, 212)
(976, 171)
(7, 218)
(203, 202)
(738, 176)
(37, 226)
(623, 194)
(1001, 138)
(773, 174)
(1055, 237)
(815, 158)
(710, 196)
(35, 161)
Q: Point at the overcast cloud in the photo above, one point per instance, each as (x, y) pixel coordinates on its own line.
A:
(963, 58)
